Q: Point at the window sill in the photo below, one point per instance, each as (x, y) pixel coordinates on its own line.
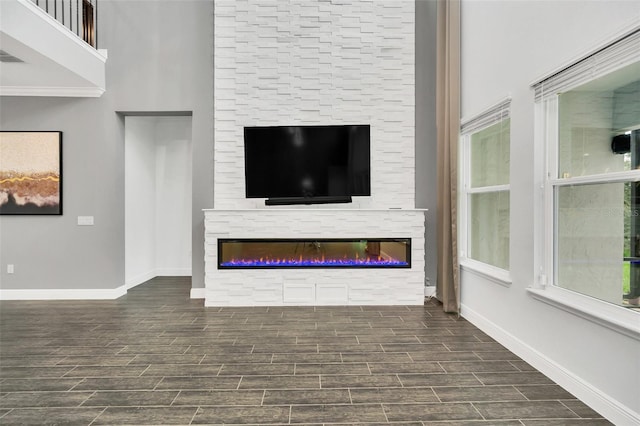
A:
(491, 273)
(617, 318)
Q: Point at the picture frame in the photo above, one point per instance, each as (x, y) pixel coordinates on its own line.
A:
(30, 172)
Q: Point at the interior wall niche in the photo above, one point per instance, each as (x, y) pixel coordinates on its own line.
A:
(157, 197)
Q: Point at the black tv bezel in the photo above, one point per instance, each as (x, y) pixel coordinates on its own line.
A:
(321, 199)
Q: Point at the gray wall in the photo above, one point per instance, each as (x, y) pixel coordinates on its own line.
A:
(160, 59)
(426, 152)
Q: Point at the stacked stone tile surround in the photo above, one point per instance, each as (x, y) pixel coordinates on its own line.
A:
(316, 62)
(314, 286)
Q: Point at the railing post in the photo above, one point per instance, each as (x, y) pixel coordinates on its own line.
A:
(86, 17)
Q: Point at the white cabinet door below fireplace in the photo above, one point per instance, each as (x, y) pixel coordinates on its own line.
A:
(332, 294)
(298, 292)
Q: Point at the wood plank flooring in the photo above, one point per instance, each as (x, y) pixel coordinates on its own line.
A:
(157, 357)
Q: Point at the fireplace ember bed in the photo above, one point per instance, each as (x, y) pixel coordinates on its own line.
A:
(314, 253)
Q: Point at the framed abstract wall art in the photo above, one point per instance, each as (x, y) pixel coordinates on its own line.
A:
(30, 173)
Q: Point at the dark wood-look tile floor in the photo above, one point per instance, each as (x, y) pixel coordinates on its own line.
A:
(155, 356)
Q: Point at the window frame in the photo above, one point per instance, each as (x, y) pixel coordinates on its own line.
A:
(545, 287)
(493, 115)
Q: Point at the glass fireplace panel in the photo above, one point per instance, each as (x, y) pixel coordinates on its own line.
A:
(314, 253)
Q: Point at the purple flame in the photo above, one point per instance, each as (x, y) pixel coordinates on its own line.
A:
(283, 263)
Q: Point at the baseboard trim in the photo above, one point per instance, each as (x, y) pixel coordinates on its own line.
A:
(429, 291)
(609, 408)
(63, 294)
(197, 293)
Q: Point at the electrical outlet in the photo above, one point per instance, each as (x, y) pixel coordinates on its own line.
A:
(10, 268)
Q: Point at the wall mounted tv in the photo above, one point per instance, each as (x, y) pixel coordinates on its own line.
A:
(307, 164)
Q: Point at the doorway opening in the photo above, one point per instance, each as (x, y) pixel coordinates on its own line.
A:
(158, 192)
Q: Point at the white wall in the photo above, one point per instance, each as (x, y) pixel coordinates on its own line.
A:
(157, 197)
(139, 200)
(173, 196)
(507, 45)
(294, 63)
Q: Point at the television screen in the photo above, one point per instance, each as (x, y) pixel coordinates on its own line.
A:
(307, 161)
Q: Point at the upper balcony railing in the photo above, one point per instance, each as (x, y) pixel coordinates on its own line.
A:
(79, 16)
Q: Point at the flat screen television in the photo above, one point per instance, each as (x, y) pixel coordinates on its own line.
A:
(307, 164)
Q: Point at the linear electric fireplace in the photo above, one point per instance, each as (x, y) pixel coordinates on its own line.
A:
(314, 253)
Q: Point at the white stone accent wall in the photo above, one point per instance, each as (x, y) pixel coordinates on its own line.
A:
(314, 286)
(317, 62)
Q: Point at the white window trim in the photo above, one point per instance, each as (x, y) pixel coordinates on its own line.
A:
(486, 271)
(484, 189)
(617, 318)
(613, 54)
(616, 177)
(488, 117)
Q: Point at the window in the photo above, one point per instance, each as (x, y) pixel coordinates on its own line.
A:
(485, 190)
(588, 121)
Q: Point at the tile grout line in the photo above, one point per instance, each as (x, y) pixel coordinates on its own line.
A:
(518, 390)
(131, 360)
(87, 398)
(8, 411)
(155, 387)
(195, 413)
(202, 359)
(174, 398)
(143, 371)
(96, 418)
(82, 380)
(400, 380)
(478, 411)
(478, 379)
(67, 372)
(568, 408)
(384, 412)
